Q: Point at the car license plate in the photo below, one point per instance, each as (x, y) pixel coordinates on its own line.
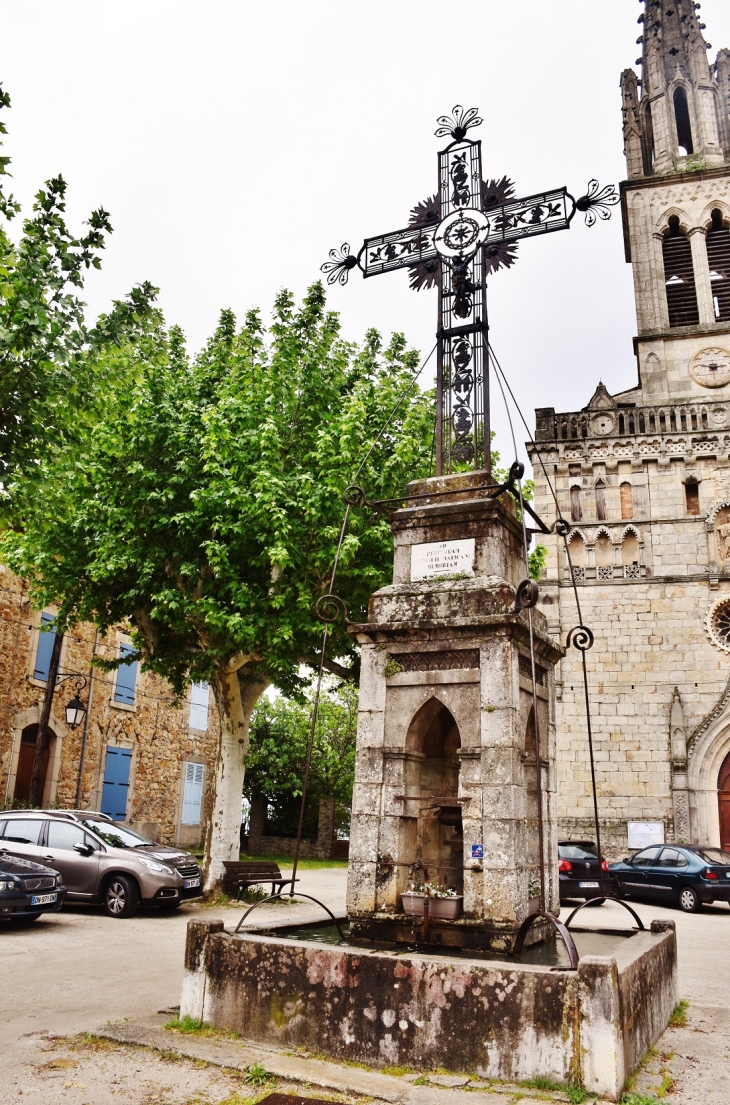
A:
(588, 885)
(43, 899)
(191, 882)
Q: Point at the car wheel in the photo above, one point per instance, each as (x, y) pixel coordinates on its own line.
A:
(689, 900)
(121, 896)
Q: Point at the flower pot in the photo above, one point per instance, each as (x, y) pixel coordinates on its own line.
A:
(441, 909)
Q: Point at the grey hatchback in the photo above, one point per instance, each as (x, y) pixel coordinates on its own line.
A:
(102, 860)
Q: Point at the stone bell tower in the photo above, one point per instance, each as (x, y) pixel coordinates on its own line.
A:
(677, 202)
(644, 477)
(445, 777)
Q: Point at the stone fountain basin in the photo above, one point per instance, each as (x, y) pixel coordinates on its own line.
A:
(499, 1018)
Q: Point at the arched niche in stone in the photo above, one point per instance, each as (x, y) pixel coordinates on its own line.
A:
(433, 741)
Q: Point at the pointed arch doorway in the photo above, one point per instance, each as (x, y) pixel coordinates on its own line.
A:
(723, 798)
(433, 740)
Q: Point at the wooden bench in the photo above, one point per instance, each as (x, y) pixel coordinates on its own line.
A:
(242, 874)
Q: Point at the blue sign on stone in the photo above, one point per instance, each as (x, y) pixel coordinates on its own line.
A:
(477, 851)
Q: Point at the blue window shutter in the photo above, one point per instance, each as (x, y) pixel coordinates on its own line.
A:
(193, 796)
(116, 782)
(126, 678)
(199, 695)
(44, 650)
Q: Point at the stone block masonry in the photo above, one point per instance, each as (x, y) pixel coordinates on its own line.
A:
(499, 1019)
(155, 728)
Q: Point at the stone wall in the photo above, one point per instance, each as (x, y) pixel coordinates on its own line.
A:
(155, 728)
(260, 844)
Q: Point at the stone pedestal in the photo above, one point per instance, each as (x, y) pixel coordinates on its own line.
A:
(446, 711)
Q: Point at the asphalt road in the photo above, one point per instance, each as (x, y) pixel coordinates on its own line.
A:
(72, 971)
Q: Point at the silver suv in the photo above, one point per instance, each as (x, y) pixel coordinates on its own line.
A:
(102, 860)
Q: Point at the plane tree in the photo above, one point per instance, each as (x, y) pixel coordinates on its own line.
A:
(205, 510)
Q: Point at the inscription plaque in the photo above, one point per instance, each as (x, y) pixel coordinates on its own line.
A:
(442, 558)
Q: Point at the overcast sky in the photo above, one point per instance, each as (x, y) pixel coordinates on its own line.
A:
(235, 143)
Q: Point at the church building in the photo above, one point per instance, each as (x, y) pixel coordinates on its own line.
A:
(644, 479)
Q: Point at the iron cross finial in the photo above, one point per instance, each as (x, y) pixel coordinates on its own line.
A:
(458, 123)
(454, 240)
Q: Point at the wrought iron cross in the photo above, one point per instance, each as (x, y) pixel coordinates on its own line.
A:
(453, 241)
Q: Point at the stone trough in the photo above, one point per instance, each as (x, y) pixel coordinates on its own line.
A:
(496, 1018)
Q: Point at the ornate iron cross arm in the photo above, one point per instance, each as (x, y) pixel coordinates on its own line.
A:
(453, 241)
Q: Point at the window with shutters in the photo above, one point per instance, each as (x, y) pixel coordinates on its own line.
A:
(44, 648)
(692, 496)
(679, 276)
(601, 508)
(199, 698)
(627, 501)
(193, 794)
(576, 510)
(124, 687)
(718, 258)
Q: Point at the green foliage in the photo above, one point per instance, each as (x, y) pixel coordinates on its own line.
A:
(257, 1075)
(679, 1015)
(278, 748)
(536, 561)
(207, 505)
(574, 1094)
(51, 375)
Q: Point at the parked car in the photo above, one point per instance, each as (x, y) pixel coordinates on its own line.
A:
(101, 860)
(28, 889)
(579, 871)
(687, 875)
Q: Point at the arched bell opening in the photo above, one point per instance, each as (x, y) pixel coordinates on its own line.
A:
(433, 736)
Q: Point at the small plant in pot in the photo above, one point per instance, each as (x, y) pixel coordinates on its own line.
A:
(443, 902)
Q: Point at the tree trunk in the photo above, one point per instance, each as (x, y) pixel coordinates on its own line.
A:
(235, 702)
(35, 797)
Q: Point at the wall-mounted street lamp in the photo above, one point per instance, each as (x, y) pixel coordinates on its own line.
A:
(75, 709)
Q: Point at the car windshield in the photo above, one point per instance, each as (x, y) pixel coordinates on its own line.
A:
(713, 855)
(576, 851)
(117, 836)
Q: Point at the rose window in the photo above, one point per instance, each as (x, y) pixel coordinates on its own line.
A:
(718, 624)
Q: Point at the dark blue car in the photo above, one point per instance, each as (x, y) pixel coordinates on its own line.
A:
(687, 875)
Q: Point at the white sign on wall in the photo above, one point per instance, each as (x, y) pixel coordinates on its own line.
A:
(644, 833)
(442, 558)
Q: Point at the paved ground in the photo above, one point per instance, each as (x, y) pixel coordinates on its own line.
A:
(74, 971)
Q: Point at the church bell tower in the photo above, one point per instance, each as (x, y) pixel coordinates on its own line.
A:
(676, 203)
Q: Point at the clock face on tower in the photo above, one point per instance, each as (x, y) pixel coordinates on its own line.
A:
(711, 368)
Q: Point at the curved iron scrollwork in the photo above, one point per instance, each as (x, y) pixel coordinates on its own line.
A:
(458, 123)
(277, 898)
(527, 595)
(337, 269)
(354, 495)
(562, 527)
(580, 637)
(608, 898)
(559, 927)
(597, 202)
(330, 608)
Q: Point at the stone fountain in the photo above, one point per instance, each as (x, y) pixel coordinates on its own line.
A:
(446, 797)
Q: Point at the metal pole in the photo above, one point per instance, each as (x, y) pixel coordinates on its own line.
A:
(82, 760)
(35, 796)
(440, 381)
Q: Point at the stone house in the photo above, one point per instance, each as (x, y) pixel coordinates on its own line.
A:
(644, 478)
(138, 754)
